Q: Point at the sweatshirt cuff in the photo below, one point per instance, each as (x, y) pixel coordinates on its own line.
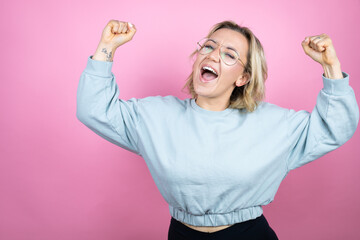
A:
(336, 86)
(98, 68)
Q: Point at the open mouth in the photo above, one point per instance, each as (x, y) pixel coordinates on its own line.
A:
(208, 74)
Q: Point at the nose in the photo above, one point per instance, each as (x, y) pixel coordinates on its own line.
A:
(215, 54)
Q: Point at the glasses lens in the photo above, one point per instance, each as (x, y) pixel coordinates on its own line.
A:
(228, 56)
(206, 46)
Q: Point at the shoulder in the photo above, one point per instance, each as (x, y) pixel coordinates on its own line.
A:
(163, 102)
(276, 110)
(161, 99)
(270, 108)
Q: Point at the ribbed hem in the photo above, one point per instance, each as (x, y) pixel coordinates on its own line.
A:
(98, 68)
(336, 86)
(216, 219)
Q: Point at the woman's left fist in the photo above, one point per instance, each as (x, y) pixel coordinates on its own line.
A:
(321, 49)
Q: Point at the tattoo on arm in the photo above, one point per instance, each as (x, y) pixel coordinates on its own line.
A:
(108, 55)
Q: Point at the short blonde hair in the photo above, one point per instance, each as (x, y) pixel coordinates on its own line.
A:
(252, 93)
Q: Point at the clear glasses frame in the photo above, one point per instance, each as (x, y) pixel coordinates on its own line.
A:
(221, 52)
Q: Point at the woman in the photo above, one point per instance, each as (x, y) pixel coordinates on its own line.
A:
(221, 155)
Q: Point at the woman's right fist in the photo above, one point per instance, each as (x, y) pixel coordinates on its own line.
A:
(117, 33)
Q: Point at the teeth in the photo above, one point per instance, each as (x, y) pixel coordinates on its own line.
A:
(210, 69)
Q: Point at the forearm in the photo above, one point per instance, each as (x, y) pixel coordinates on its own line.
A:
(104, 53)
(333, 71)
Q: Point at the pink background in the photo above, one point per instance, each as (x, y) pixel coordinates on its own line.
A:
(59, 180)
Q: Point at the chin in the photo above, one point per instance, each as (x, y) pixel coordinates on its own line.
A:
(201, 90)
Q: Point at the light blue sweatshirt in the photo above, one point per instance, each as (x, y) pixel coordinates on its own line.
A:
(216, 167)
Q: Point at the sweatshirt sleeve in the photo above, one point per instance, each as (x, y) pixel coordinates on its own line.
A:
(100, 109)
(332, 122)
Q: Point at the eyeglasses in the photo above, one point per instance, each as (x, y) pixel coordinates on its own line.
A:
(227, 54)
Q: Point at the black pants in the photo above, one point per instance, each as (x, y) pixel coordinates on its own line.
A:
(255, 229)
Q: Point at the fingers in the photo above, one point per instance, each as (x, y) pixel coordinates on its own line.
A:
(307, 49)
(116, 33)
(118, 27)
(317, 43)
(131, 26)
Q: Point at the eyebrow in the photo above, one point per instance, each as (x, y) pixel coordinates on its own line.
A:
(228, 47)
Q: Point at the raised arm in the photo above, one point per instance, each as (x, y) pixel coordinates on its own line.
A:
(335, 116)
(98, 103)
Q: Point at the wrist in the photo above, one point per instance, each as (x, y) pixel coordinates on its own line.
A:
(107, 46)
(333, 71)
(104, 52)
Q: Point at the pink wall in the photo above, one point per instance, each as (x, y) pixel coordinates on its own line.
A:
(59, 180)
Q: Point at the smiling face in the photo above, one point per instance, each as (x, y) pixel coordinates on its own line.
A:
(220, 88)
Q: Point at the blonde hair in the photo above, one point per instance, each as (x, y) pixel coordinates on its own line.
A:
(252, 93)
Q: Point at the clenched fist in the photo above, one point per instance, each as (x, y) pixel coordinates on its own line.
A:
(321, 49)
(117, 33)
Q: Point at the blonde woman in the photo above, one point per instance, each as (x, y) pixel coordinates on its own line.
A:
(219, 156)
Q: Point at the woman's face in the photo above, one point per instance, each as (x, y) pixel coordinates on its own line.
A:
(228, 76)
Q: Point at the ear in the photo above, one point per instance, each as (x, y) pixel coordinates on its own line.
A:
(243, 79)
